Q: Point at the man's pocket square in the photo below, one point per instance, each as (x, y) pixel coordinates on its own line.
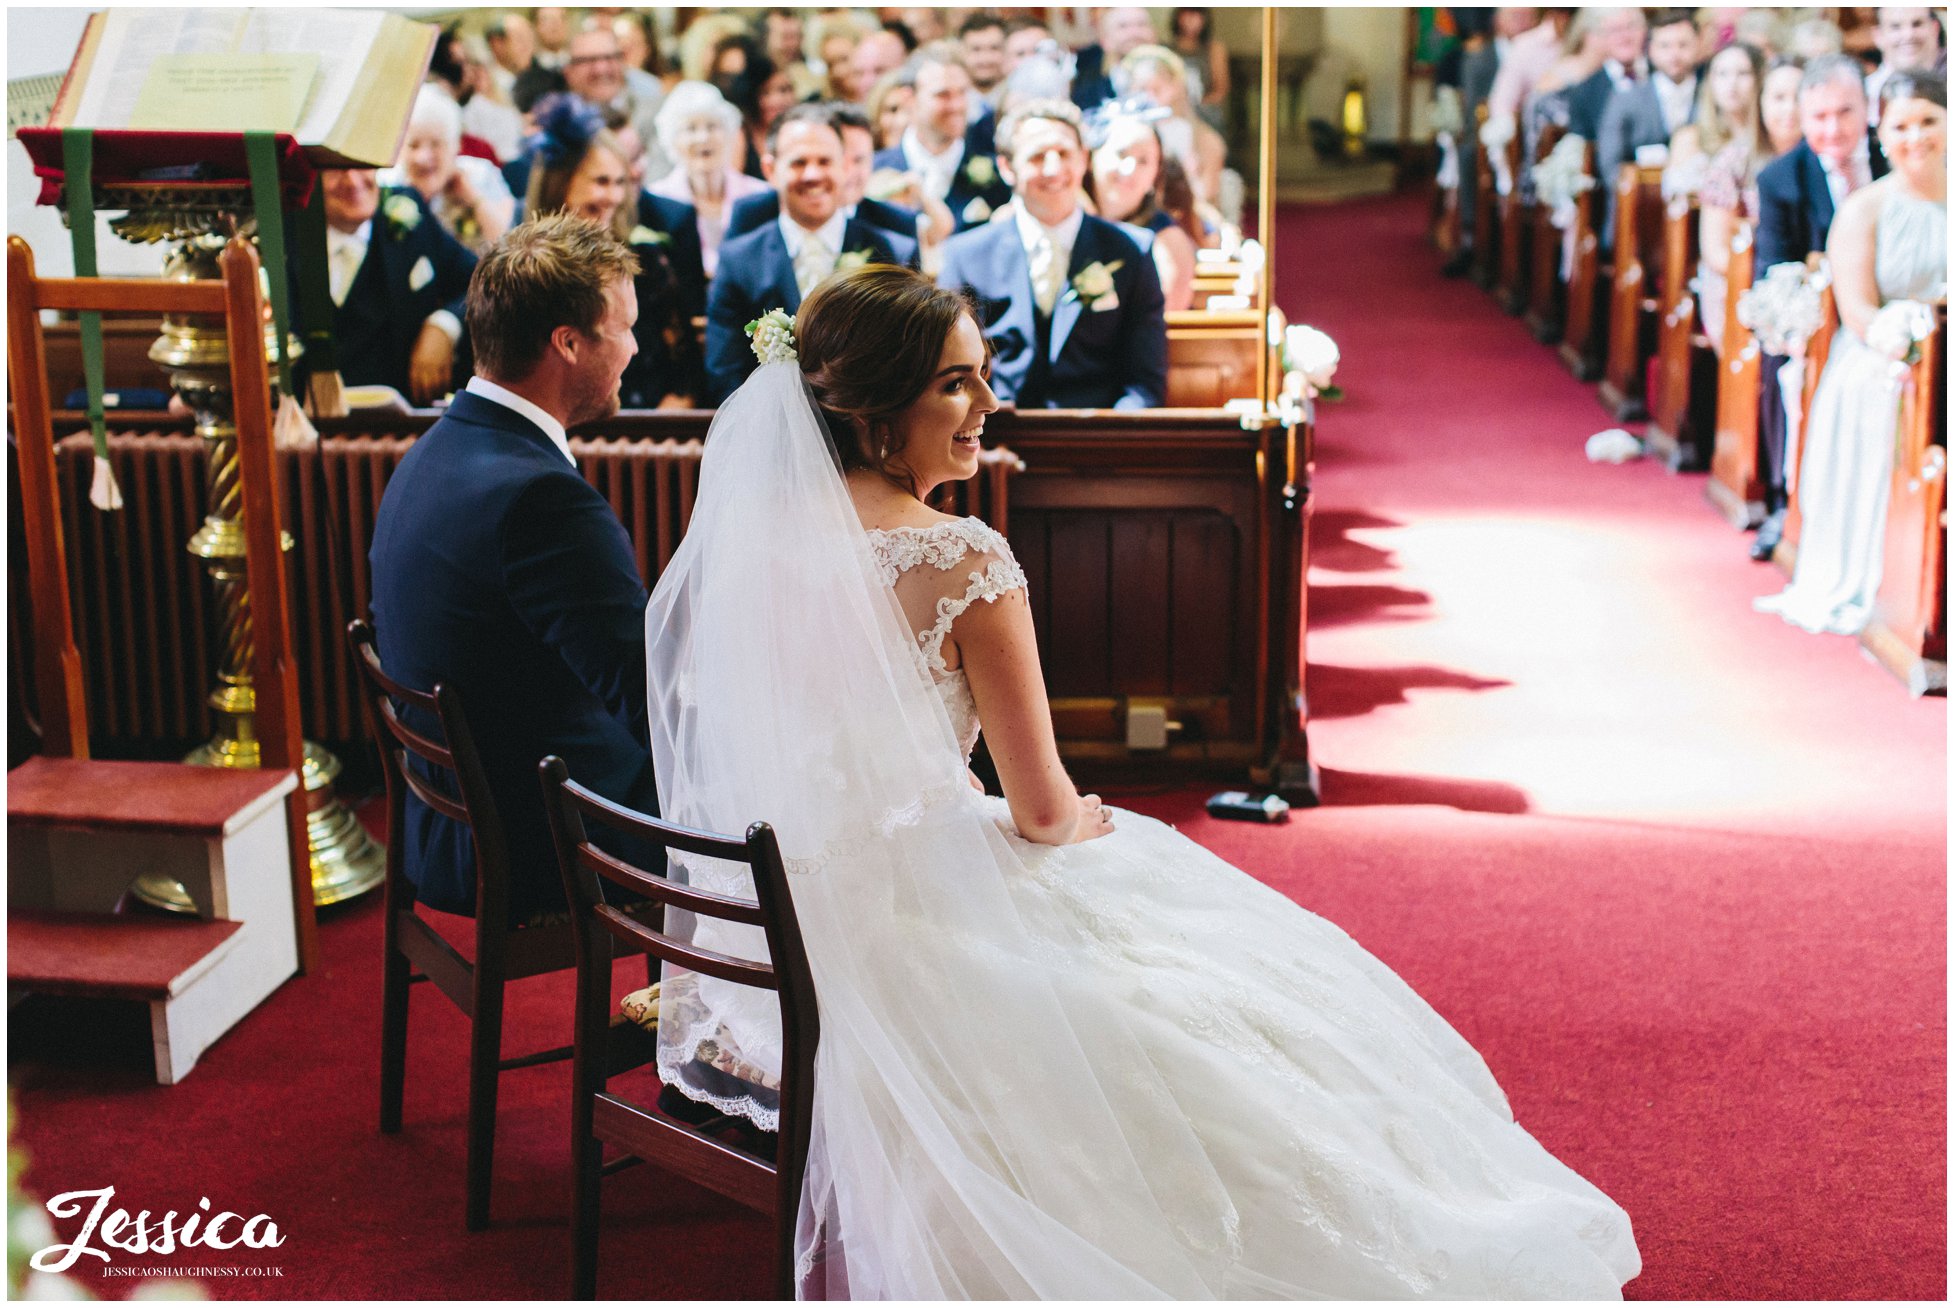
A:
(422, 274)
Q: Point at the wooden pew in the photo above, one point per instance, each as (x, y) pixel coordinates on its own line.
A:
(1487, 225)
(1908, 629)
(1586, 323)
(1211, 357)
(1635, 297)
(1544, 303)
(1176, 538)
(1676, 429)
(1735, 486)
(1515, 232)
(126, 365)
(1817, 351)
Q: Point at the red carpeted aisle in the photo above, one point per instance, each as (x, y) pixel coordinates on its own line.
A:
(1676, 869)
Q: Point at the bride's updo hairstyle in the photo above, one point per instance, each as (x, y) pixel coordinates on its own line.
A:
(869, 342)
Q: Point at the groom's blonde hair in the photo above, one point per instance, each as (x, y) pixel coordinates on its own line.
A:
(546, 273)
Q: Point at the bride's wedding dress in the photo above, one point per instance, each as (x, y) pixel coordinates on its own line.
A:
(1114, 1069)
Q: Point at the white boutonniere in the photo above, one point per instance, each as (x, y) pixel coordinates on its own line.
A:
(403, 215)
(421, 274)
(642, 235)
(980, 169)
(1094, 285)
(976, 211)
(849, 260)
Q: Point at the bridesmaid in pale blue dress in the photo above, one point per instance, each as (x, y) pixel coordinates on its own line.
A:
(1888, 243)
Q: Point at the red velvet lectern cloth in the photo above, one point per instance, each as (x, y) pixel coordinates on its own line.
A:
(123, 157)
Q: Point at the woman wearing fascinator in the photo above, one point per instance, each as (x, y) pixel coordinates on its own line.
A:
(1065, 1052)
(1134, 180)
(583, 167)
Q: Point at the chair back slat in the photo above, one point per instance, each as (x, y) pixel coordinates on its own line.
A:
(667, 891)
(656, 831)
(727, 967)
(439, 800)
(420, 746)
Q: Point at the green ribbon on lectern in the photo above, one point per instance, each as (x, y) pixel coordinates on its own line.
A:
(78, 198)
(261, 157)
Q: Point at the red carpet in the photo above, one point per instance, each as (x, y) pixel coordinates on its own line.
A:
(1676, 869)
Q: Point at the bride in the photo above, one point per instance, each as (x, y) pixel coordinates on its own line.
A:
(1065, 1052)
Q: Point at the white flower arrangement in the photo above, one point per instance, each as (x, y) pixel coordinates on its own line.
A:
(849, 260)
(1782, 309)
(402, 213)
(1562, 177)
(773, 337)
(642, 235)
(1897, 330)
(980, 170)
(1448, 113)
(1311, 356)
(1497, 131)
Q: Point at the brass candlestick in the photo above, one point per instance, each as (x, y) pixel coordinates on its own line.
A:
(195, 351)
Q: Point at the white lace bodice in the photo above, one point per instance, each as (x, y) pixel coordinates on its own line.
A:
(940, 571)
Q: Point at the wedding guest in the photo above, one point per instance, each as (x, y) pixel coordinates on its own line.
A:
(396, 278)
(703, 47)
(1072, 308)
(520, 78)
(1888, 243)
(552, 36)
(1907, 40)
(834, 37)
(783, 39)
(1798, 194)
(981, 39)
(1153, 72)
(1128, 182)
(594, 73)
(892, 107)
(460, 66)
(1646, 114)
(876, 56)
(1479, 66)
(1206, 58)
(1727, 195)
(1523, 62)
(703, 133)
(1121, 30)
(499, 572)
(937, 148)
(1023, 37)
(582, 169)
(924, 24)
(774, 266)
(761, 92)
(1582, 53)
(466, 195)
(1622, 34)
(640, 48)
(897, 222)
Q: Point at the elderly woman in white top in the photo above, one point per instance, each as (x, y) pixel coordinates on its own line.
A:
(702, 133)
(466, 194)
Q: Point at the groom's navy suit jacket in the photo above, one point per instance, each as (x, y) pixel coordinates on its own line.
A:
(1111, 358)
(755, 275)
(499, 571)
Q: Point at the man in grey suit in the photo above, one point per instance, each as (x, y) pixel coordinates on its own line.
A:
(1487, 34)
(1648, 112)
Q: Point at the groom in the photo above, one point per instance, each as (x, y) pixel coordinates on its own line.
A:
(500, 572)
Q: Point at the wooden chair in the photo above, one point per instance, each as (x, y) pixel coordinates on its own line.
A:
(1635, 297)
(1675, 430)
(600, 1117)
(1515, 230)
(1735, 487)
(1817, 351)
(1908, 629)
(1585, 327)
(449, 780)
(1544, 306)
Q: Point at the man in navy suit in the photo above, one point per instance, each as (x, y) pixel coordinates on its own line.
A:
(775, 266)
(1121, 30)
(1649, 112)
(1622, 34)
(1797, 195)
(503, 574)
(937, 148)
(397, 279)
(857, 155)
(1072, 307)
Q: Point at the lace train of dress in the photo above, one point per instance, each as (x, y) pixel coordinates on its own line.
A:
(1846, 468)
(1323, 1132)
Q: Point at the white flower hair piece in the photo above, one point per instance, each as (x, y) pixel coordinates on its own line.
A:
(773, 337)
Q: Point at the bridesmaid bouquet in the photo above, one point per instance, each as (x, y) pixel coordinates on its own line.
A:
(1897, 330)
(1561, 177)
(1782, 309)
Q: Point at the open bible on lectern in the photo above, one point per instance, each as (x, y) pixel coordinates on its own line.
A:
(340, 81)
